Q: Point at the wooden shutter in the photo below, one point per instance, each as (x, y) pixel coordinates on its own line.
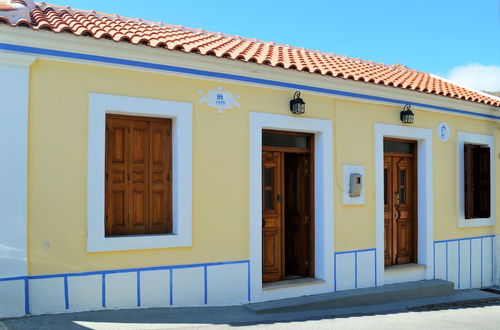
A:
(117, 168)
(482, 182)
(477, 189)
(138, 175)
(161, 185)
(468, 181)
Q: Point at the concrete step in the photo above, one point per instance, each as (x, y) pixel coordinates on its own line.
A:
(358, 297)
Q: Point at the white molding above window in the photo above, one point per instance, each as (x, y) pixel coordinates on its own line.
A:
(483, 140)
(182, 128)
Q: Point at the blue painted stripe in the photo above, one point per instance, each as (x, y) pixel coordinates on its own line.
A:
(335, 272)
(169, 68)
(249, 288)
(434, 256)
(470, 262)
(171, 287)
(103, 290)
(205, 284)
(356, 270)
(462, 239)
(66, 293)
(17, 278)
(26, 296)
(138, 289)
(130, 270)
(447, 261)
(354, 251)
(481, 262)
(459, 264)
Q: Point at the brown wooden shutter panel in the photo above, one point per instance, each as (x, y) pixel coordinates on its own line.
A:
(482, 171)
(138, 175)
(468, 181)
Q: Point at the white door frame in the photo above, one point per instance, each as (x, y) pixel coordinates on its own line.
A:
(323, 203)
(425, 193)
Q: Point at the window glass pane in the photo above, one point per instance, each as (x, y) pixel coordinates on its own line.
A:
(396, 146)
(289, 141)
(402, 196)
(402, 177)
(385, 186)
(268, 199)
(269, 177)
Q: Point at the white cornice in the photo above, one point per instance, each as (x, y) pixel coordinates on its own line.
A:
(91, 46)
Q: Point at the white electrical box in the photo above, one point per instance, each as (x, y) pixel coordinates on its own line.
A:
(354, 184)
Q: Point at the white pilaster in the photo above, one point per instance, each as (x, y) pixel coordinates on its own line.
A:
(14, 100)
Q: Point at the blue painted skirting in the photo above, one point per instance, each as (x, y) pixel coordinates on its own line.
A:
(138, 271)
(170, 68)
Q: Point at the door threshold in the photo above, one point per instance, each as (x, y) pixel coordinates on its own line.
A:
(404, 267)
(292, 283)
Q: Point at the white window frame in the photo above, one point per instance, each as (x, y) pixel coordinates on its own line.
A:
(323, 203)
(182, 128)
(486, 141)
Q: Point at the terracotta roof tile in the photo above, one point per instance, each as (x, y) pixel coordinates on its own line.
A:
(178, 38)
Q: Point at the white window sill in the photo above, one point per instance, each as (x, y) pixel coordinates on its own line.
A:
(478, 222)
(121, 243)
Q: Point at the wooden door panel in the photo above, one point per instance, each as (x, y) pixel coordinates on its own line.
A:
(272, 221)
(388, 198)
(399, 209)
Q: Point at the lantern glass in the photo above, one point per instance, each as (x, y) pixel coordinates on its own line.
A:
(297, 105)
(407, 115)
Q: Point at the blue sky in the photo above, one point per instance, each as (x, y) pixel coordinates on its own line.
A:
(451, 38)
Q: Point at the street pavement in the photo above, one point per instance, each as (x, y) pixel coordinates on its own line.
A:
(388, 316)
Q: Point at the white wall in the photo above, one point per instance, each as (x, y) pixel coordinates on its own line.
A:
(14, 85)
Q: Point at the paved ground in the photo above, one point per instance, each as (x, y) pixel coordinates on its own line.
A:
(466, 309)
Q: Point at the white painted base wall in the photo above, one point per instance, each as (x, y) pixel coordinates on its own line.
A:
(355, 270)
(219, 284)
(497, 260)
(12, 298)
(469, 263)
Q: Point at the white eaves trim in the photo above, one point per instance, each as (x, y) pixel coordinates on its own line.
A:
(182, 128)
(81, 45)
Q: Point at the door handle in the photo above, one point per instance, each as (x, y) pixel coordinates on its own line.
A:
(279, 198)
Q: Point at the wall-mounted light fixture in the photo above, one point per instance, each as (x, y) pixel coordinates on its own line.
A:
(297, 105)
(407, 115)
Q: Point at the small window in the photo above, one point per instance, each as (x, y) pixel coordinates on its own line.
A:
(138, 175)
(477, 185)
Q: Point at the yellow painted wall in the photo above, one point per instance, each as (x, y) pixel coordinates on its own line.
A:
(58, 166)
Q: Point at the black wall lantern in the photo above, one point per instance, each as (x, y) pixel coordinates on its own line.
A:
(297, 105)
(407, 115)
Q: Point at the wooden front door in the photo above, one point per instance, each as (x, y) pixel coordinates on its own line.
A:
(287, 246)
(400, 218)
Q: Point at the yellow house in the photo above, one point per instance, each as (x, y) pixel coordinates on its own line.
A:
(152, 165)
